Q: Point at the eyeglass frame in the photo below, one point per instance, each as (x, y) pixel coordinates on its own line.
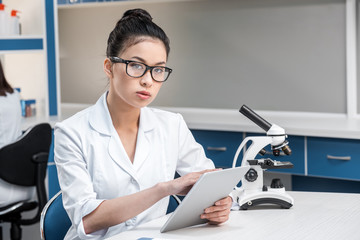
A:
(120, 60)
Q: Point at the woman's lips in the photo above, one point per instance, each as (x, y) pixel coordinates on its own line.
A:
(143, 94)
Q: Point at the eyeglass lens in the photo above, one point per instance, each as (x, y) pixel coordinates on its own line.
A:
(136, 69)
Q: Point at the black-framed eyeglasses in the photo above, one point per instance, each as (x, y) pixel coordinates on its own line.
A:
(138, 69)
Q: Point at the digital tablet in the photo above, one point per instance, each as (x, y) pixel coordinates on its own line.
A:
(211, 187)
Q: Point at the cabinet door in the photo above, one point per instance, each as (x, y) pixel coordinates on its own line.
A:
(335, 158)
(297, 157)
(219, 146)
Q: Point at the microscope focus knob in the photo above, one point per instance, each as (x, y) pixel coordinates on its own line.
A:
(251, 175)
(276, 183)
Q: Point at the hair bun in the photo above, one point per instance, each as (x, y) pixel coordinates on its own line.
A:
(137, 13)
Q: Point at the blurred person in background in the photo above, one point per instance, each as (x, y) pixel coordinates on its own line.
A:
(10, 131)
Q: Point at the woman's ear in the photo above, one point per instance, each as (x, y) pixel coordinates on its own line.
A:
(108, 68)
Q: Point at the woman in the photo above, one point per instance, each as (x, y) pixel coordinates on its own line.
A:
(10, 130)
(116, 160)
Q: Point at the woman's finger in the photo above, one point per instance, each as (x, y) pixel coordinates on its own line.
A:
(215, 214)
(224, 201)
(220, 205)
(216, 208)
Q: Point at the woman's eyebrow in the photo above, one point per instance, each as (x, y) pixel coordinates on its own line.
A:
(143, 60)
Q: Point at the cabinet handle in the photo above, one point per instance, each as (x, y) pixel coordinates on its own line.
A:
(347, 158)
(220, 149)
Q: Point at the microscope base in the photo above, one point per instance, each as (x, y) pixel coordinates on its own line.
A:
(261, 201)
(272, 196)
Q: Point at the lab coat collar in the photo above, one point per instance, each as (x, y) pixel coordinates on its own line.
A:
(147, 120)
(143, 143)
(101, 120)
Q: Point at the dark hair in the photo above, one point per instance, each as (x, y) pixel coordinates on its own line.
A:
(4, 85)
(134, 24)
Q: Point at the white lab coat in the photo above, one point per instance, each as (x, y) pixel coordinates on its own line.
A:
(93, 165)
(10, 131)
(10, 118)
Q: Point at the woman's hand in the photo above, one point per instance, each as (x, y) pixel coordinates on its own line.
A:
(219, 213)
(182, 185)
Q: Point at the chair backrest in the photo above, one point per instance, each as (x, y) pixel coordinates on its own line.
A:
(173, 203)
(54, 221)
(24, 163)
(16, 159)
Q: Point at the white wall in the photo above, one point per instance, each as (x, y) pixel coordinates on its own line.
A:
(26, 71)
(271, 55)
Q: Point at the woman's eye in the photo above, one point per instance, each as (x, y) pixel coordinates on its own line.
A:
(137, 66)
(158, 70)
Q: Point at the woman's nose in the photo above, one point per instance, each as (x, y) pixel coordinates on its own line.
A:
(147, 80)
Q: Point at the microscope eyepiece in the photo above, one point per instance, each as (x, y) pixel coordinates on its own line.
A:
(255, 118)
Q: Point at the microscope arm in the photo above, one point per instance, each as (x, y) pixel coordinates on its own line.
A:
(257, 144)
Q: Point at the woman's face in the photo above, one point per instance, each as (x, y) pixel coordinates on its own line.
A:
(136, 92)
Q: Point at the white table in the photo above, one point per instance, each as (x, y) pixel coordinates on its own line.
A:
(313, 216)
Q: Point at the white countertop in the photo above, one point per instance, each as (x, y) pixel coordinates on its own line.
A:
(294, 123)
(330, 216)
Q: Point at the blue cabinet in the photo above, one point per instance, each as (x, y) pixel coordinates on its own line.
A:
(334, 158)
(318, 162)
(220, 146)
(321, 184)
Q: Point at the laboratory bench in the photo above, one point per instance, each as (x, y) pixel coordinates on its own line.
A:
(314, 216)
(326, 147)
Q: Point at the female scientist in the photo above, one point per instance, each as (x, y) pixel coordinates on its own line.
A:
(116, 160)
(10, 131)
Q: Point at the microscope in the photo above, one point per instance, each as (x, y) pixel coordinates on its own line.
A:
(253, 192)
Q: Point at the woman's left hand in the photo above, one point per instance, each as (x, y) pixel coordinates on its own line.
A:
(219, 213)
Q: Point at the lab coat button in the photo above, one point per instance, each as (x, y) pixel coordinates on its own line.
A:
(133, 180)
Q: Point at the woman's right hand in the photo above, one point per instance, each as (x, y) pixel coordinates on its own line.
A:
(182, 185)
